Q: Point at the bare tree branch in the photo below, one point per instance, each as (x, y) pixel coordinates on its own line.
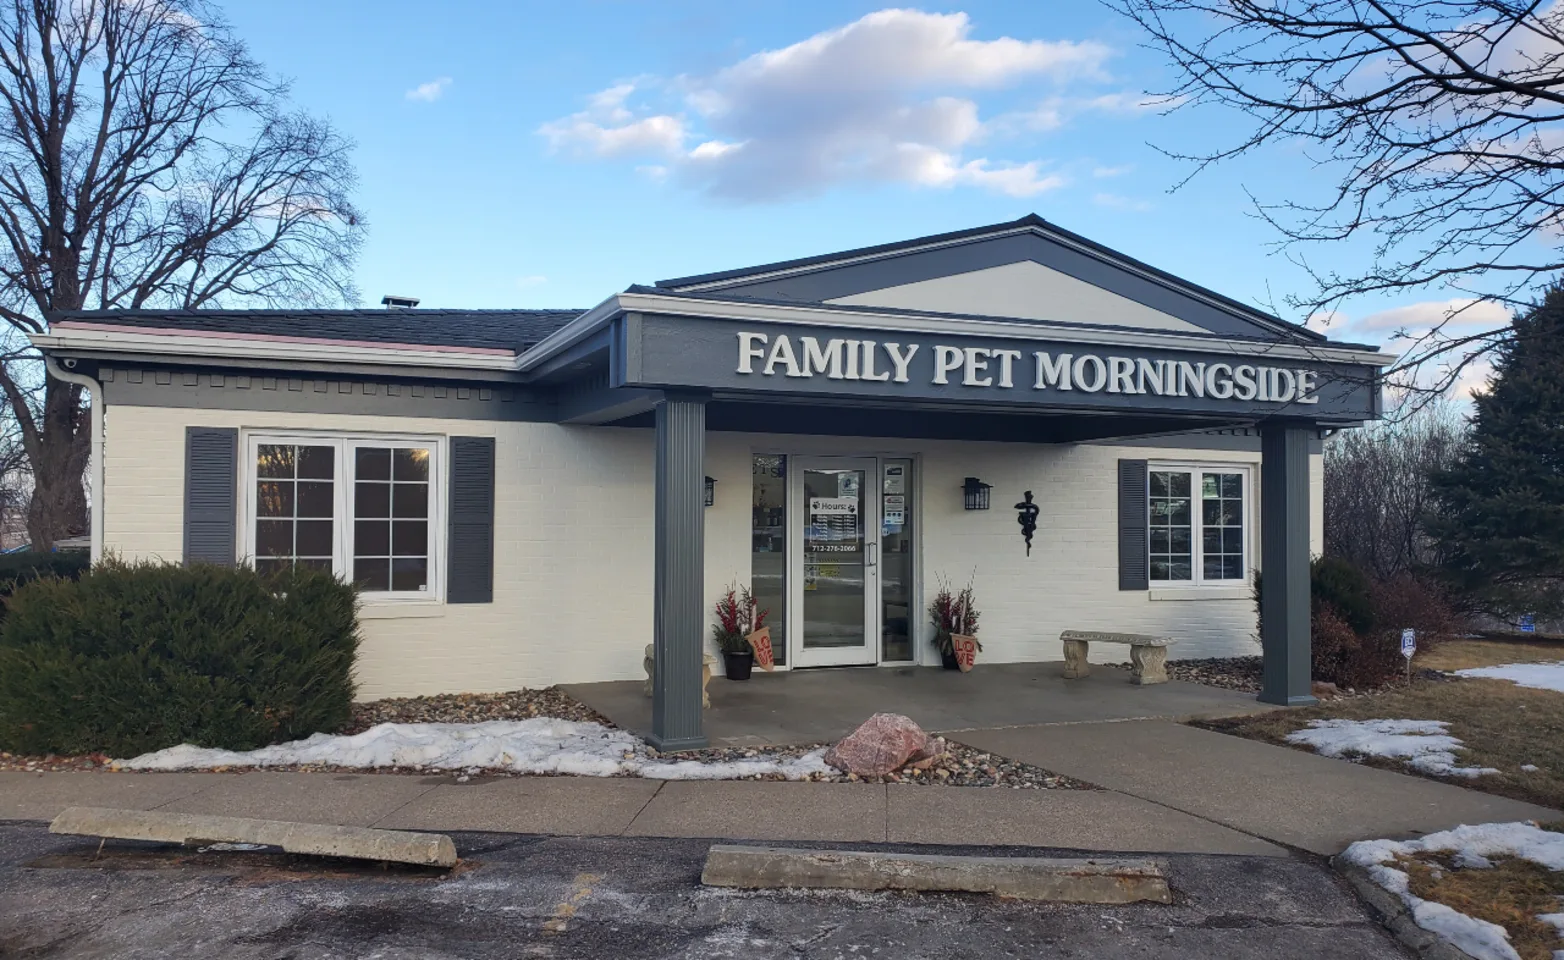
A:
(1443, 121)
(146, 160)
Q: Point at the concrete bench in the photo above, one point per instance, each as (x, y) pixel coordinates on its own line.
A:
(1148, 655)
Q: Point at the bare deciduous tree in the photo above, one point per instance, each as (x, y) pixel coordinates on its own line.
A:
(1441, 118)
(147, 161)
(1378, 492)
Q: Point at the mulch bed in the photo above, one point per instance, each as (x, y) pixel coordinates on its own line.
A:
(960, 766)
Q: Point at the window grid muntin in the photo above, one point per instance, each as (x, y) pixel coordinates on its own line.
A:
(342, 448)
(284, 474)
(1232, 533)
(396, 502)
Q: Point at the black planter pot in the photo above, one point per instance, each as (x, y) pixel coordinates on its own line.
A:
(738, 665)
(948, 661)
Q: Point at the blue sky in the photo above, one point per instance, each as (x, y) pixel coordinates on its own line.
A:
(548, 155)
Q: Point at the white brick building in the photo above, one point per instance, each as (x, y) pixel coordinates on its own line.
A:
(493, 479)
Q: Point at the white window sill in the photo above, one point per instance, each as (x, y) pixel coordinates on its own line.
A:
(399, 609)
(1200, 593)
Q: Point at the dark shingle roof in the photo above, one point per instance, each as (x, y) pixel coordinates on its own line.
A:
(503, 329)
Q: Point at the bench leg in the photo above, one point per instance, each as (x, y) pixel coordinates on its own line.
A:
(1075, 666)
(1148, 664)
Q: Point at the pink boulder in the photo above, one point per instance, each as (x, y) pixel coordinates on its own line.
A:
(884, 744)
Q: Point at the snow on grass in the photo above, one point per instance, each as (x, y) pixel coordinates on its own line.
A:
(542, 745)
(1425, 745)
(1472, 846)
(1540, 676)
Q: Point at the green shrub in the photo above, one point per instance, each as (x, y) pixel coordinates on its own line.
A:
(1346, 588)
(1355, 622)
(25, 566)
(137, 657)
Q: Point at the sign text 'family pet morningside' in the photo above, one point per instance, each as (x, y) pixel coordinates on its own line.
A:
(869, 360)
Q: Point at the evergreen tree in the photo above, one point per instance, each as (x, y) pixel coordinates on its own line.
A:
(1499, 524)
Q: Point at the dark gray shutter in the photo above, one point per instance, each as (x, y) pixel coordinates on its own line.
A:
(470, 568)
(1132, 525)
(211, 494)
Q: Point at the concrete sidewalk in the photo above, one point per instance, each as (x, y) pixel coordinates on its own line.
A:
(1168, 788)
(1285, 795)
(587, 806)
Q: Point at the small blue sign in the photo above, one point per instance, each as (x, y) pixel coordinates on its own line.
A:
(1408, 642)
(1528, 624)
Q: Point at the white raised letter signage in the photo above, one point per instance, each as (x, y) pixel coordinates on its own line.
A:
(985, 368)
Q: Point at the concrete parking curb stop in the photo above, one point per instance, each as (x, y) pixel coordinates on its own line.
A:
(1393, 913)
(363, 843)
(1023, 878)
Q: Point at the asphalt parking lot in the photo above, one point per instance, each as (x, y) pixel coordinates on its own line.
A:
(530, 896)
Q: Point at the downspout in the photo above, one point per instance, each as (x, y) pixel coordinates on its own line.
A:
(95, 464)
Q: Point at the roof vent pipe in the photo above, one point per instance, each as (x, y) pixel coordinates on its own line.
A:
(393, 302)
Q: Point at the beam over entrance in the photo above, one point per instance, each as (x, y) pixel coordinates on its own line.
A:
(679, 594)
(1284, 560)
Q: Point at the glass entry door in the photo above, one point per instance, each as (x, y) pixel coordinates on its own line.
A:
(836, 576)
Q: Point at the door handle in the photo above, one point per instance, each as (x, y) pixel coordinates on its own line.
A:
(874, 555)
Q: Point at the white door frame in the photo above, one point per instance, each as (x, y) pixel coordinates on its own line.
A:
(868, 654)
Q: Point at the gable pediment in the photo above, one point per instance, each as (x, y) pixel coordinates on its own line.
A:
(1026, 270)
(1025, 290)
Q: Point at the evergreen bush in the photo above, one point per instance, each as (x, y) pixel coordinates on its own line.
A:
(25, 566)
(1498, 523)
(137, 657)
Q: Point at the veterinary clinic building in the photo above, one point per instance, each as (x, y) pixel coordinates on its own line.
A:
(528, 497)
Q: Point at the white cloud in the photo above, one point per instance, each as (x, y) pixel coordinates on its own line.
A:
(431, 91)
(886, 98)
(1411, 321)
(1114, 201)
(1103, 173)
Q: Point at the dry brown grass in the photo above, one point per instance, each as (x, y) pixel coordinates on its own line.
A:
(1502, 725)
(1465, 654)
(1513, 893)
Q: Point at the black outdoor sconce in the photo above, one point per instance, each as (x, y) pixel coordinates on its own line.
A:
(974, 494)
(711, 491)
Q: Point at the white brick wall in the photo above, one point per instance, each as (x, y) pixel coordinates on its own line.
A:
(573, 545)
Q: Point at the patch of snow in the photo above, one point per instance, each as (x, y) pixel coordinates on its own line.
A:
(542, 745)
(1529, 768)
(1425, 745)
(1475, 844)
(1540, 676)
(1554, 920)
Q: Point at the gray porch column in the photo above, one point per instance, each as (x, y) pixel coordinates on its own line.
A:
(1284, 561)
(680, 596)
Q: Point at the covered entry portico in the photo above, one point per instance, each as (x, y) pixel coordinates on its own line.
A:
(1060, 343)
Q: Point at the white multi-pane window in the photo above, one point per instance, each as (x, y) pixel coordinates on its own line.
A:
(1198, 524)
(366, 508)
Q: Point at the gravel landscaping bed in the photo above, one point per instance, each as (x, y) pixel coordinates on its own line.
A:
(960, 766)
(1230, 673)
(473, 708)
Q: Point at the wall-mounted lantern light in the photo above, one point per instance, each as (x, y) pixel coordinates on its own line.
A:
(711, 491)
(974, 494)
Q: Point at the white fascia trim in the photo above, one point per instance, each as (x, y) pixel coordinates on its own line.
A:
(1244, 313)
(958, 326)
(226, 347)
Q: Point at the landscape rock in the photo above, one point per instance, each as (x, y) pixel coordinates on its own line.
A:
(883, 744)
(1324, 691)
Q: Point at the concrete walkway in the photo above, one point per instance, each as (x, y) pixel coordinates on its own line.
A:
(1168, 789)
(1285, 795)
(588, 806)
(820, 706)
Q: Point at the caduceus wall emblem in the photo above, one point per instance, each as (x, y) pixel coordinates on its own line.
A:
(1027, 512)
